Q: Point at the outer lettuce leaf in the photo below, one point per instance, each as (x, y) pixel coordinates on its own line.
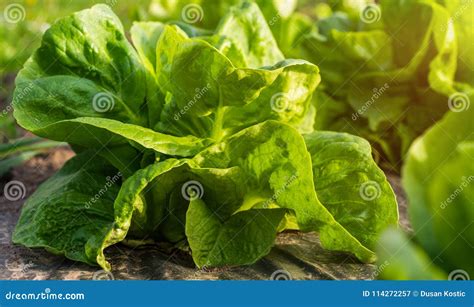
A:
(82, 55)
(351, 186)
(96, 132)
(245, 237)
(60, 215)
(437, 177)
(130, 204)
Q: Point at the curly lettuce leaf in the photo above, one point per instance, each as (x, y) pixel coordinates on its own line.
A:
(65, 215)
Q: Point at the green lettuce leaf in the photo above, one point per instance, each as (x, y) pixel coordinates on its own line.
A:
(351, 186)
(72, 210)
(463, 12)
(246, 27)
(144, 36)
(83, 56)
(245, 237)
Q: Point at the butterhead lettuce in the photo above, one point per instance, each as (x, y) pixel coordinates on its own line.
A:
(192, 138)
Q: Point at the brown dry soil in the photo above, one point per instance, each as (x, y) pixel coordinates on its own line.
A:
(295, 255)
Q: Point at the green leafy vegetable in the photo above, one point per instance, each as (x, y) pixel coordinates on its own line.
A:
(438, 178)
(203, 129)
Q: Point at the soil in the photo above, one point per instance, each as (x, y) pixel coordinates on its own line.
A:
(295, 255)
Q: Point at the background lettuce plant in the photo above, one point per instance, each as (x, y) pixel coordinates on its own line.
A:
(438, 178)
(189, 137)
(389, 70)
